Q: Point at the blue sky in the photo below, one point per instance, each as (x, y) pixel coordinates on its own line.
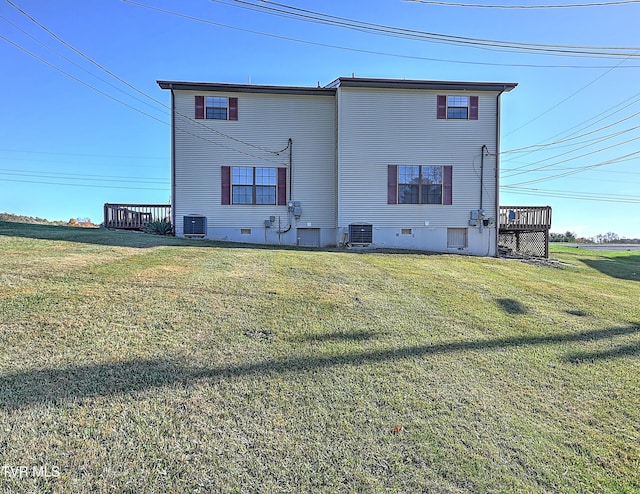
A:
(72, 141)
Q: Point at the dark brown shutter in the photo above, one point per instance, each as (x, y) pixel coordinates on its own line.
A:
(225, 172)
(199, 107)
(447, 185)
(233, 108)
(282, 186)
(473, 108)
(442, 106)
(392, 184)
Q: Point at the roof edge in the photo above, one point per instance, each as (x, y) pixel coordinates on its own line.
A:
(244, 88)
(420, 84)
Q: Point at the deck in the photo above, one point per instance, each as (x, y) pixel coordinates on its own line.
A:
(134, 216)
(525, 218)
(524, 230)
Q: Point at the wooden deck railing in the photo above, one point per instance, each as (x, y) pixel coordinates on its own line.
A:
(525, 218)
(134, 216)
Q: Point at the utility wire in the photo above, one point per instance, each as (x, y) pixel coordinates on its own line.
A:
(67, 176)
(579, 170)
(282, 10)
(83, 185)
(576, 195)
(115, 76)
(358, 50)
(81, 81)
(498, 6)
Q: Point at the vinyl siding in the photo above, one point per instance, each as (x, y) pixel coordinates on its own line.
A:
(267, 121)
(381, 127)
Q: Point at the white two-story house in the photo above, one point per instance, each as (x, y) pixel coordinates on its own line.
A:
(409, 164)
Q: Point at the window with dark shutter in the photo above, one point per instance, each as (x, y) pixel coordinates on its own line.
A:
(199, 107)
(392, 184)
(442, 106)
(253, 185)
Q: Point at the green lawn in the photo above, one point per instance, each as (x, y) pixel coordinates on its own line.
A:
(134, 363)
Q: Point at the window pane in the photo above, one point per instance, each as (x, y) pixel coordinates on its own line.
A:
(242, 194)
(458, 101)
(408, 174)
(432, 194)
(265, 194)
(242, 175)
(216, 107)
(457, 113)
(408, 194)
(431, 174)
(265, 176)
(217, 113)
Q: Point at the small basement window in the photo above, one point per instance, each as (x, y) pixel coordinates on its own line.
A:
(245, 231)
(406, 231)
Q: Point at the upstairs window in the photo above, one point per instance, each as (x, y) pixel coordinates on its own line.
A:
(457, 107)
(216, 108)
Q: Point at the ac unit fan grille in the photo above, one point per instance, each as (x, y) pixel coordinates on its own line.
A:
(194, 225)
(360, 234)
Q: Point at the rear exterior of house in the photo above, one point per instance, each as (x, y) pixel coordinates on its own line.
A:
(370, 162)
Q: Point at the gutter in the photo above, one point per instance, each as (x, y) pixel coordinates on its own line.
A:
(173, 160)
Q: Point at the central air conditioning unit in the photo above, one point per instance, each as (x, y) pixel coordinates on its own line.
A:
(194, 225)
(360, 234)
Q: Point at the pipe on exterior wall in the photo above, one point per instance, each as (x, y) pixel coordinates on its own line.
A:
(290, 169)
(173, 159)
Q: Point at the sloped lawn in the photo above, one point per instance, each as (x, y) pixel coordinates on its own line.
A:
(133, 363)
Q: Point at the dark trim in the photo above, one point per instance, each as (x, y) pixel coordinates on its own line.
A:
(421, 84)
(330, 88)
(245, 88)
(392, 184)
(447, 185)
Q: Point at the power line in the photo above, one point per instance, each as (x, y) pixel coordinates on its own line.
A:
(69, 60)
(572, 151)
(121, 80)
(110, 156)
(82, 185)
(282, 10)
(579, 170)
(359, 50)
(498, 6)
(77, 176)
(81, 81)
(596, 197)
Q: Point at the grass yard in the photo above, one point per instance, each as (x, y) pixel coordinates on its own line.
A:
(134, 363)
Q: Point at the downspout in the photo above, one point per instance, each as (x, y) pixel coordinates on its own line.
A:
(173, 159)
(497, 178)
(484, 146)
(290, 169)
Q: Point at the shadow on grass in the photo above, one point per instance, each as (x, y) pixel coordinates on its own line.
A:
(624, 267)
(512, 306)
(57, 385)
(623, 351)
